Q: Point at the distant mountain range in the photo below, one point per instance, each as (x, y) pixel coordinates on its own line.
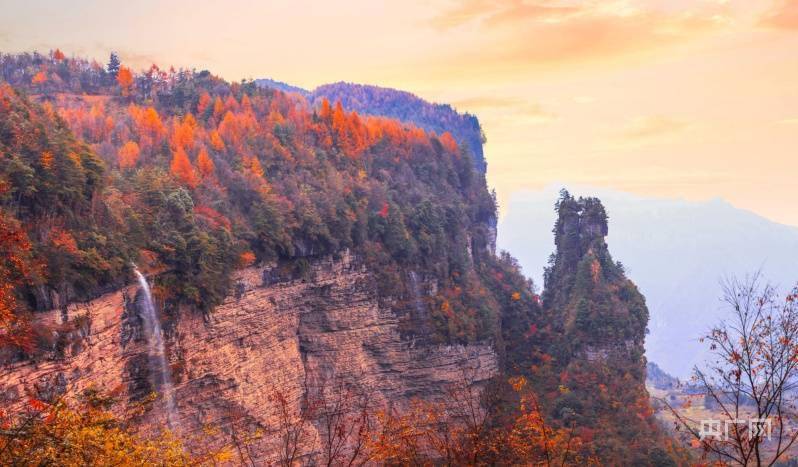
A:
(676, 251)
(401, 105)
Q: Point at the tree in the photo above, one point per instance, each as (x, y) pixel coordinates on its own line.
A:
(128, 155)
(294, 429)
(203, 103)
(125, 79)
(88, 434)
(182, 169)
(205, 164)
(149, 126)
(216, 141)
(218, 108)
(532, 441)
(448, 142)
(113, 65)
(58, 55)
(183, 132)
(15, 268)
(39, 78)
(343, 412)
(454, 431)
(252, 166)
(244, 434)
(754, 377)
(325, 113)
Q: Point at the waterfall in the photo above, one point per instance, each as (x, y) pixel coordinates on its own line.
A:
(418, 303)
(155, 344)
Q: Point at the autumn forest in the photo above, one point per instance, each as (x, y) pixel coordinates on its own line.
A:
(197, 271)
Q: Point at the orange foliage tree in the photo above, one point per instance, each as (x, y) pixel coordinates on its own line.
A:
(203, 103)
(46, 159)
(252, 166)
(125, 80)
(182, 169)
(205, 164)
(448, 142)
(15, 268)
(88, 432)
(183, 132)
(246, 259)
(148, 125)
(128, 155)
(216, 141)
(39, 78)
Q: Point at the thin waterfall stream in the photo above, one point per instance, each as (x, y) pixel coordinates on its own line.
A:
(418, 302)
(155, 343)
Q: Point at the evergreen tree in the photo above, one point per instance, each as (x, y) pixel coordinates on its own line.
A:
(113, 65)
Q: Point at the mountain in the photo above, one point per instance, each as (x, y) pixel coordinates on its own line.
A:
(400, 105)
(285, 282)
(659, 379)
(676, 251)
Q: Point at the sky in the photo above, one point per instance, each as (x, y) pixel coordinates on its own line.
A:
(674, 99)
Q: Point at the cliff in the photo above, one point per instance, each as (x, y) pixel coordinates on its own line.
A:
(275, 334)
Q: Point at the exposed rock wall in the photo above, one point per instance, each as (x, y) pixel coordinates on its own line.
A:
(272, 334)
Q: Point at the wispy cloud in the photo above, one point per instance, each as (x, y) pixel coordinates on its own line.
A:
(517, 110)
(584, 99)
(540, 32)
(497, 13)
(783, 15)
(652, 127)
(535, 114)
(485, 102)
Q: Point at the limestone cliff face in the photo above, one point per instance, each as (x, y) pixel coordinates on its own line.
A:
(273, 333)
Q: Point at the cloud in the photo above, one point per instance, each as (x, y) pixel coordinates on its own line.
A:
(496, 13)
(584, 99)
(517, 110)
(485, 102)
(652, 127)
(783, 15)
(535, 114)
(517, 34)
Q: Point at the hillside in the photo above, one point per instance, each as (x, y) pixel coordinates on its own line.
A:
(400, 105)
(299, 254)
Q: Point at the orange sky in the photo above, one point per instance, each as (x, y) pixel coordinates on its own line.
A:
(693, 99)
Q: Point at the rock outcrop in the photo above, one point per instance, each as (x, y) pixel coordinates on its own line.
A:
(274, 334)
(601, 319)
